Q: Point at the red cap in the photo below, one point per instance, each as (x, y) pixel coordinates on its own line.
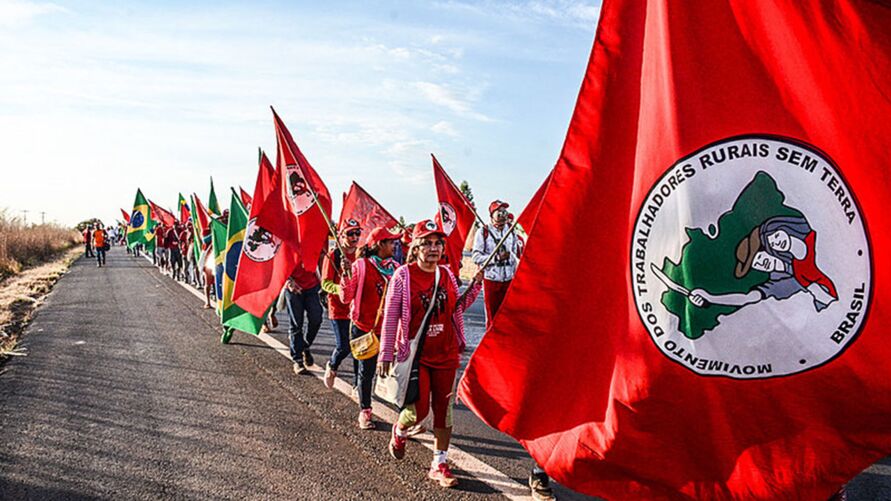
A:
(380, 234)
(426, 228)
(349, 224)
(497, 204)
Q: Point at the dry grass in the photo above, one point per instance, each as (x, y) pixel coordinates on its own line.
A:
(20, 295)
(25, 246)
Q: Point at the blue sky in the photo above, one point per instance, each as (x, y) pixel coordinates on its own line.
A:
(99, 98)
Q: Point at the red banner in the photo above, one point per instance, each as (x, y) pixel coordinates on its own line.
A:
(698, 312)
(291, 213)
(163, 215)
(358, 205)
(245, 198)
(455, 216)
(266, 261)
(126, 216)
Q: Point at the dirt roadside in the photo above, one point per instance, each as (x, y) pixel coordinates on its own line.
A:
(21, 294)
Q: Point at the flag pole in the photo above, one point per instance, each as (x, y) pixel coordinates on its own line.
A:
(488, 260)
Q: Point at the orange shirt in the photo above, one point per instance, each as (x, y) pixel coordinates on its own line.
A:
(99, 238)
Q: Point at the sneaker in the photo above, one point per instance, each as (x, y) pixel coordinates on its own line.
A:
(365, 422)
(299, 368)
(330, 376)
(443, 474)
(307, 359)
(415, 430)
(539, 483)
(397, 444)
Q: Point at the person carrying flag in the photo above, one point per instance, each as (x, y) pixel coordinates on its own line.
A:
(501, 269)
(339, 311)
(302, 298)
(364, 290)
(422, 300)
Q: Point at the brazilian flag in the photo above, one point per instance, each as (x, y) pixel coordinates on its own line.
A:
(150, 235)
(212, 205)
(140, 223)
(233, 316)
(218, 239)
(196, 231)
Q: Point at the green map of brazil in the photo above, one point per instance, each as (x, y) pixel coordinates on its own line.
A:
(707, 259)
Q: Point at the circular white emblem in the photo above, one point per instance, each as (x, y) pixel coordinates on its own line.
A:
(259, 244)
(448, 218)
(298, 191)
(750, 259)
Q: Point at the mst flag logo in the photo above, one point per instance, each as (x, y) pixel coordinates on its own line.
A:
(260, 245)
(750, 259)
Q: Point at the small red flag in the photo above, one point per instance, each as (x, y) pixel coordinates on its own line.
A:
(291, 213)
(700, 299)
(266, 261)
(203, 221)
(126, 216)
(358, 205)
(455, 216)
(163, 215)
(245, 198)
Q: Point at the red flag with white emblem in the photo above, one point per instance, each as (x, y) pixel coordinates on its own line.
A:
(698, 312)
(266, 260)
(291, 212)
(455, 216)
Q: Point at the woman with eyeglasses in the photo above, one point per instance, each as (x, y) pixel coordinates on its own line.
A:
(412, 293)
(338, 311)
(364, 290)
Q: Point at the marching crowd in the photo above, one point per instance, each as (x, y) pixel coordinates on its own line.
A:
(394, 308)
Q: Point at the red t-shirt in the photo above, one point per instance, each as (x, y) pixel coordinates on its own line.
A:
(171, 239)
(372, 292)
(440, 349)
(337, 309)
(304, 279)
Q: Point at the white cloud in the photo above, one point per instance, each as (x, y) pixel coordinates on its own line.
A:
(18, 12)
(445, 128)
(575, 13)
(441, 95)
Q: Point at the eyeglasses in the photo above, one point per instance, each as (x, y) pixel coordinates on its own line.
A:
(432, 243)
(354, 233)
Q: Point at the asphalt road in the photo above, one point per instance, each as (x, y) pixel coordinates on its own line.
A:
(127, 393)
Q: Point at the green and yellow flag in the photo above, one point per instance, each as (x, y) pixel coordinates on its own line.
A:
(212, 205)
(218, 238)
(140, 222)
(233, 316)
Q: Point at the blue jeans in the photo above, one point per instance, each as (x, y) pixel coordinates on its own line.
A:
(299, 303)
(342, 347)
(366, 374)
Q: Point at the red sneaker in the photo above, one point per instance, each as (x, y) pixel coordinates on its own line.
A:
(397, 444)
(443, 474)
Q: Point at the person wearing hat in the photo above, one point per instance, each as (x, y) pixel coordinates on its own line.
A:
(784, 247)
(414, 294)
(364, 290)
(500, 271)
(339, 312)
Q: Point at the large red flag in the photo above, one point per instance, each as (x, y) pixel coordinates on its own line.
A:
(266, 261)
(164, 216)
(694, 316)
(526, 219)
(455, 216)
(126, 216)
(364, 209)
(291, 213)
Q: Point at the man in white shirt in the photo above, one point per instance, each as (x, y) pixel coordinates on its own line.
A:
(501, 269)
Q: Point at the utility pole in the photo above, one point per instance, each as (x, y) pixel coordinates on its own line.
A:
(25, 216)
(42, 218)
